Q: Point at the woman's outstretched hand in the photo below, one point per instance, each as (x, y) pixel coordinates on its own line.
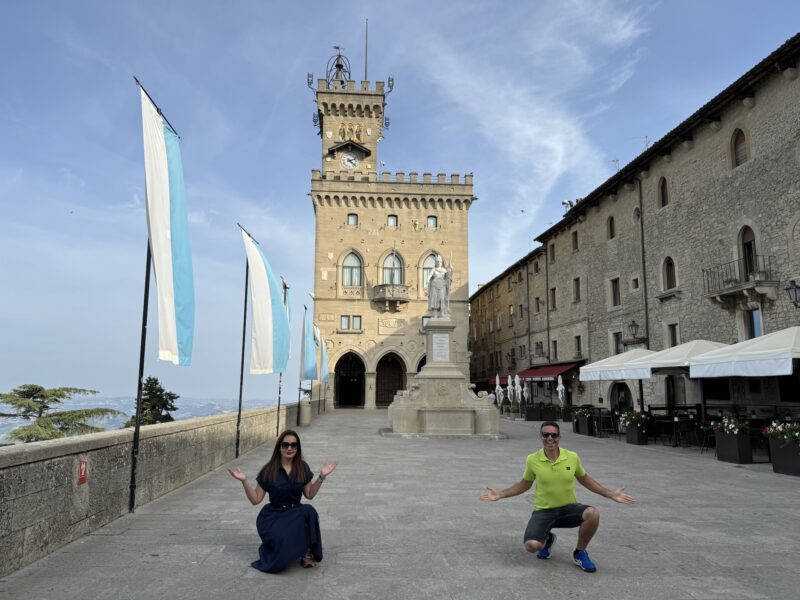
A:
(328, 468)
(237, 473)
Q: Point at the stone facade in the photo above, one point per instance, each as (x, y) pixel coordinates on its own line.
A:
(696, 238)
(369, 312)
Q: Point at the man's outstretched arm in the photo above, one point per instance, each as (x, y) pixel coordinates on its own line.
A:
(491, 495)
(617, 495)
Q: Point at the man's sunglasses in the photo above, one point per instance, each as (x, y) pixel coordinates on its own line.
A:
(551, 434)
(288, 445)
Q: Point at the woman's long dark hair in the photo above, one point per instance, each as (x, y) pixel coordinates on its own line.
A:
(269, 472)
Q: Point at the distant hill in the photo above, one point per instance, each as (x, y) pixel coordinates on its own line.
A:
(188, 408)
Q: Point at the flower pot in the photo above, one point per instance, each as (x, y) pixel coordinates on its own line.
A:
(636, 434)
(785, 456)
(734, 448)
(586, 425)
(575, 425)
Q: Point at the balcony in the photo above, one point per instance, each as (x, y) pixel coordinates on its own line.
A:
(392, 295)
(739, 282)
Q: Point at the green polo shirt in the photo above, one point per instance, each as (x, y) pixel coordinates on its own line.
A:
(555, 481)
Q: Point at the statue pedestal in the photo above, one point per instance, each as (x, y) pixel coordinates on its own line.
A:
(439, 400)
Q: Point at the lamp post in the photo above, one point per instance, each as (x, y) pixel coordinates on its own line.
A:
(793, 290)
(633, 329)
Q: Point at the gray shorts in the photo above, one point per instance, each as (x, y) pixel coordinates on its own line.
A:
(563, 517)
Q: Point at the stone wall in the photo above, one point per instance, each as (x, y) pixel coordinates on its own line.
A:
(43, 507)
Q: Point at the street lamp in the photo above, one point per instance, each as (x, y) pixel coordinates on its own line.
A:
(633, 329)
(794, 293)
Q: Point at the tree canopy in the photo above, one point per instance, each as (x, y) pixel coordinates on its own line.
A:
(157, 403)
(36, 403)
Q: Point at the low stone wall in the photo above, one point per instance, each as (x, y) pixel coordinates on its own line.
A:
(43, 506)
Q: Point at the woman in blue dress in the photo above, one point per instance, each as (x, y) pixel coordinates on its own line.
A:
(289, 530)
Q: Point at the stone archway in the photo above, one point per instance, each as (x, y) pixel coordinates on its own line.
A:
(620, 398)
(349, 381)
(390, 378)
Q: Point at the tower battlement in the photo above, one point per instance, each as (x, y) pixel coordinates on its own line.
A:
(390, 177)
(350, 86)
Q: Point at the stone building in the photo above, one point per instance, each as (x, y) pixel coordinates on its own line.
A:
(696, 238)
(377, 236)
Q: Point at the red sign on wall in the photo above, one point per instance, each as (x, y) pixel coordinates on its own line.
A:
(83, 472)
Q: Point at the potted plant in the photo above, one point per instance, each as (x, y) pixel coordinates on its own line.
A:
(733, 441)
(585, 418)
(635, 424)
(784, 447)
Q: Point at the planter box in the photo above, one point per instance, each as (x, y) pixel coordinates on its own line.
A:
(575, 426)
(734, 448)
(566, 414)
(550, 413)
(534, 413)
(586, 426)
(785, 459)
(636, 435)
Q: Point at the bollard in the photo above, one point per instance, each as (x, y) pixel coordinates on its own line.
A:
(305, 413)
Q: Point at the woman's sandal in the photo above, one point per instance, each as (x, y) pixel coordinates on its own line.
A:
(308, 561)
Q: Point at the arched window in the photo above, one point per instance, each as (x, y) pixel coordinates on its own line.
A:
(432, 222)
(352, 219)
(670, 281)
(663, 192)
(427, 267)
(351, 270)
(739, 148)
(391, 221)
(612, 232)
(393, 269)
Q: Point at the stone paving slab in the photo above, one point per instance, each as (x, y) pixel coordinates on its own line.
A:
(401, 519)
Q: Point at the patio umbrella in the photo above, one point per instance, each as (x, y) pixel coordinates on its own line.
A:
(770, 355)
(561, 389)
(498, 391)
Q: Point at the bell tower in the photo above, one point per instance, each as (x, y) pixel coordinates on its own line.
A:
(350, 121)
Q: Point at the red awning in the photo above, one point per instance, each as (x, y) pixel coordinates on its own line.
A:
(546, 373)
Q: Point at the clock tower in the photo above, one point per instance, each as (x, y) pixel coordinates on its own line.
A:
(378, 235)
(350, 120)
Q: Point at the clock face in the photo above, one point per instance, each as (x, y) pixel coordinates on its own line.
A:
(349, 160)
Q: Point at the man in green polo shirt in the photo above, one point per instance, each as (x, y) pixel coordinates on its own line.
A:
(555, 506)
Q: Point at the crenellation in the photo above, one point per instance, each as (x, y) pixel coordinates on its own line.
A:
(397, 177)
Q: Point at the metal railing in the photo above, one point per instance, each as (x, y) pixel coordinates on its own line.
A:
(737, 272)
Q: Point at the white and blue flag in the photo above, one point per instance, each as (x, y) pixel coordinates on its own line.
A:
(270, 343)
(309, 349)
(168, 225)
(324, 360)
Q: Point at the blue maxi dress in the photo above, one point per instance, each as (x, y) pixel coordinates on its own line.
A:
(288, 529)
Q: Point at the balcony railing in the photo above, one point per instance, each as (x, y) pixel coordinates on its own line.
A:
(394, 292)
(738, 273)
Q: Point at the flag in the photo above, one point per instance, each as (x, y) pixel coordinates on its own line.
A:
(324, 360)
(168, 227)
(309, 349)
(270, 341)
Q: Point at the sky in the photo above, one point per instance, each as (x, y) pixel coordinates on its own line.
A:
(540, 100)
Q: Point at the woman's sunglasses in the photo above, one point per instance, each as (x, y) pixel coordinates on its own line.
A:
(288, 445)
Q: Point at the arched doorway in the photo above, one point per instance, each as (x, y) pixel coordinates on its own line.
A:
(422, 362)
(390, 376)
(620, 399)
(349, 381)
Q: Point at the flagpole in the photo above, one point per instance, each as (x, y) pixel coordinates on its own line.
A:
(241, 368)
(158, 108)
(302, 363)
(137, 426)
(280, 375)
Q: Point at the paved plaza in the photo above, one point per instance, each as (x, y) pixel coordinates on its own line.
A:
(401, 519)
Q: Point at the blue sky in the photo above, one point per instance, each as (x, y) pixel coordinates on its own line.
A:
(537, 99)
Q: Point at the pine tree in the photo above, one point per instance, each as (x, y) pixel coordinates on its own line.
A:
(157, 403)
(36, 403)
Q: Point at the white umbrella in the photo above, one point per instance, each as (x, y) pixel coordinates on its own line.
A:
(561, 389)
(498, 391)
(517, 388)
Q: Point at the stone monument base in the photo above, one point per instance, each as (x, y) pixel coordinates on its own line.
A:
(439, 401)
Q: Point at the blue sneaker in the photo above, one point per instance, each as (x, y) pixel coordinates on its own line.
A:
(581, 558)
(544, 553)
